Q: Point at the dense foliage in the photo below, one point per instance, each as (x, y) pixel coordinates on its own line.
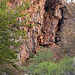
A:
(9, 32)
(42, 66)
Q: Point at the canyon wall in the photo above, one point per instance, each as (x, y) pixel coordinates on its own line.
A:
(45, 14)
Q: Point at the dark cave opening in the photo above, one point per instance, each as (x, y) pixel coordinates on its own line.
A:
(46, 8)
(50, 5)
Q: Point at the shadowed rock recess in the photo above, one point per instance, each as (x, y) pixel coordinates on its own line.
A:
(45, 14)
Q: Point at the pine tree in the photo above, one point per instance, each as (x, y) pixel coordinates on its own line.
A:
(9, 32)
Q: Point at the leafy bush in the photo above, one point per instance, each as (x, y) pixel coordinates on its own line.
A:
(42, 55)
(41, 66)
(64, 67)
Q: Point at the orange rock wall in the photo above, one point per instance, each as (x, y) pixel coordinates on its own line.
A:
(45, 14)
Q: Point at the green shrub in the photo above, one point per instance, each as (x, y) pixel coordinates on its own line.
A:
(64, 67)
(43, 55)
(41, 66)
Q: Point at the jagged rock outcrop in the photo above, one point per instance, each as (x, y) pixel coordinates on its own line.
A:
(51, 16)
(45, 14)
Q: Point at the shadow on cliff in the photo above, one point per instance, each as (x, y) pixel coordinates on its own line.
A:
(53, 18)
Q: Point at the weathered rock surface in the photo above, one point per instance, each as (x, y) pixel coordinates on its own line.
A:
(45, 14)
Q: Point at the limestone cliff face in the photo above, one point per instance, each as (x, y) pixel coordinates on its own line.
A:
(45, 14)
(51, 16)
